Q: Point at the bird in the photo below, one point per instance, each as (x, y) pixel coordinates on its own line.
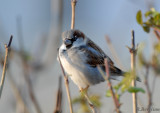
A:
(80, 58)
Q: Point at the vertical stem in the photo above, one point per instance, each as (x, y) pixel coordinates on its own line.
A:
(4, 71)
(93, 108)
(133, 59)
(58, 108)
(117, 105)
(67, 86)
(7, 47)
(73, 4)
(149, 93)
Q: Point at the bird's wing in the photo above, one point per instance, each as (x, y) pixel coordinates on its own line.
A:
(96, 56)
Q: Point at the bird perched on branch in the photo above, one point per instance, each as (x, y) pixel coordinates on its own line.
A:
(80, 57)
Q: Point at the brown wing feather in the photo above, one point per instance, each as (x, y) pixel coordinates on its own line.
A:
(98, 59)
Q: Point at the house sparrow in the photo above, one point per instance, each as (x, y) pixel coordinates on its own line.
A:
(80, 57)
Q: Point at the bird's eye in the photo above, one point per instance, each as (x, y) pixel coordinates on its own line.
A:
(75, 38)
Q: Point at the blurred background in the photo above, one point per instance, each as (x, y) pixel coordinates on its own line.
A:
(36, 26)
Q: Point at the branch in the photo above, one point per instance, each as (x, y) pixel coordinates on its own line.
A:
(132, 51)
(7, 47)
(93, 108)
(67, 86)
(58, 108)
(148, 90)
(157, 33)
(73, 4)
(116, 102)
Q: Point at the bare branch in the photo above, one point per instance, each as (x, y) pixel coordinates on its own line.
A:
(67, 86)
(93, 108)
(157, 33)
(148, 90)
(132, 51)
(73, 4)
(116, 102)
(7, 47)
(58, 108)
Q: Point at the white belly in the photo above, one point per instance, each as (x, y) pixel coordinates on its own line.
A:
(76, 75)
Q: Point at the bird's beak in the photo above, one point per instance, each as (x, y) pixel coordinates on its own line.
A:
(68, 42)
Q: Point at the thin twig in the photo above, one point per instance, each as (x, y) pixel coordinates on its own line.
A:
(157, 33)
(148, 90)
(67, 86)
(116, 102)
(73, 4)
(93, 108)
(132, 51)
(7, 47)
(58, 108)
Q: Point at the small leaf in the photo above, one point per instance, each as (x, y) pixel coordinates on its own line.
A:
(135, 90)
(108, 94)
(153, 9)
(139, 17)
(146, 28)
(157, 19)
(96, 100)
(157, 47)
(148, 13)
(117, 87)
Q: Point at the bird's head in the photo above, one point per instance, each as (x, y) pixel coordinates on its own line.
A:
(72, 37)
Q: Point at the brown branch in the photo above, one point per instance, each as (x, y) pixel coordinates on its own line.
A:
(132, 51)
(73, 4)
(93, 108)
(7, 47)
(157, 33)
(58, 108)
(116, 102)
(148, 90)
(67, 86)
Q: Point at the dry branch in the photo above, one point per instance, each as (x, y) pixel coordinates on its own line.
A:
(157, 33)
(67, 86)
(149, 93)
(93, 108)
(58, 108)
(73, 4)
(7, 47)
(116, 102)
(132, 51)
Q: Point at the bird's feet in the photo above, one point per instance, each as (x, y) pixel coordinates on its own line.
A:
(84, 90)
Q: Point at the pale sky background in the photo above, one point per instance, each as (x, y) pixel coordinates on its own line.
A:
(96, 18)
